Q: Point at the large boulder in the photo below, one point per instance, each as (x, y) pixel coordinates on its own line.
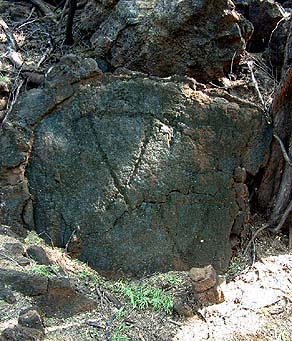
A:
(134, 174)
(199, 38)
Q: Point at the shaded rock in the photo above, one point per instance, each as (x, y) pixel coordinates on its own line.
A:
(264, 15)
(30, 285)
(158, 190)
(23, 261)
(19, 333)
(38, 254)
(275, 53)
(183, 309)
(16, 249)
(162, 38)
(203, 278)
(31, 319)
(7, 295)
(62, 300)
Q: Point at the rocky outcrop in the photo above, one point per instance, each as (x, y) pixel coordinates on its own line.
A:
(198, 38)
(132, 173)
(275, 53)
(264, 16)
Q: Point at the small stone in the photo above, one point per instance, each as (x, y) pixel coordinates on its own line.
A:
(23, 261)
(38, 254)
(19, 333)
(239, 175)
(31, 319)
(183, 309)
(7, 295)
(14, 248)
(214, 295)
(203, 278)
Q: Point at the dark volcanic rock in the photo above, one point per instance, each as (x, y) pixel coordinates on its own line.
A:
(264, 16)
(30, 285)
(162, 38)
(136, 173)
(19, 333)
(38, 254)
(31, 319)
(275, 53)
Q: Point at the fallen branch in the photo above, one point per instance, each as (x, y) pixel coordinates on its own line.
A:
(45, 9)
(254, 237)
(10, 38)
(48, 51)
(283, 219)
(13, 99)
(283, 149)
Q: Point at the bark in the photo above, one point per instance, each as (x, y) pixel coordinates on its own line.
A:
(275, 191)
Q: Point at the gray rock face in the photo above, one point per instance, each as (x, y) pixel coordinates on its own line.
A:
(162, 38)
(133, 173)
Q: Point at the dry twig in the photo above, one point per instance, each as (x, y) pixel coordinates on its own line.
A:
(254, 237)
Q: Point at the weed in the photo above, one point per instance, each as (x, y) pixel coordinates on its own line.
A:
(44, 270)
(142, 297)
(33, 238)
(86, 274)
(119, 333)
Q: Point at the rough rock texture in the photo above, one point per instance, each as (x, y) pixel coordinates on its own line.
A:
(275, 53)
(206, 285)
(264, 16)
(162, 38)
(134, 173)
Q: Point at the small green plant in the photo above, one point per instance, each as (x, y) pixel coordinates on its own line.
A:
(45, 270)
(33, 238)
(86, 274)
(142, 297)
(119, 332)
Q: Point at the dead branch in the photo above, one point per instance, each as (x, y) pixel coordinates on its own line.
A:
(13, 99)
(254, 237)
(44, 9)
(10, 38)
(283, 219)
(283, 149)
(48, 51)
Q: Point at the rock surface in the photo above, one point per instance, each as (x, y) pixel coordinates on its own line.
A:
(136, 172)
(206, 285)
(162, 38)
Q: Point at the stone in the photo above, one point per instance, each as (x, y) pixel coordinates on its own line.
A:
(239, 175)
(7, 295)
(275, 53)
(23, 261)
(30, 285)
(203, 278)
(62, 300)
(211, 296)
(163, 38)
(16, 249)
(264, 16)
(183, 309)
(31, 319)
(19, 333)
(158, 190)
(38, 254)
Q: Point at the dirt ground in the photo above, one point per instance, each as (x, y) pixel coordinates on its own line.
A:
(258, 288)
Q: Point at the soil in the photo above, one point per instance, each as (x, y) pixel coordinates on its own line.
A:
(258, 288)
